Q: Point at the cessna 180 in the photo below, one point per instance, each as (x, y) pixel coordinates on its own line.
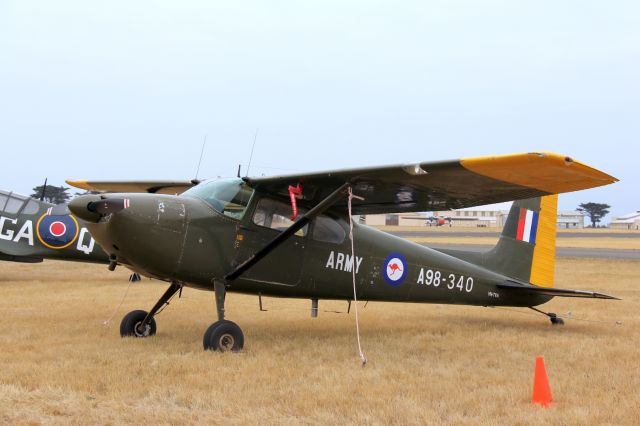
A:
(288, 236)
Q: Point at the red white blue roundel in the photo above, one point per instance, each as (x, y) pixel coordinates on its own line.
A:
(394, 269)
(57, 232)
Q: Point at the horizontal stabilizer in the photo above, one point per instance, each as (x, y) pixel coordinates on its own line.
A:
(556, 292)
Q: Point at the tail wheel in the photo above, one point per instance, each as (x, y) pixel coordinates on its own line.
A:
(223, 336)
(557, 321)
(131, 325)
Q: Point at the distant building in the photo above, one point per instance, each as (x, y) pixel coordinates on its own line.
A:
(573, 219)
(465, 218)
(629, 221)
(380, 219)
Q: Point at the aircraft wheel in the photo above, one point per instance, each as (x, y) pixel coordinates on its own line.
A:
(557, 321)
(131, 325)
(223, 336)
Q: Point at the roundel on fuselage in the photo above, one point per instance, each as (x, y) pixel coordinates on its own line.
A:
(57, 231)
(394, 269)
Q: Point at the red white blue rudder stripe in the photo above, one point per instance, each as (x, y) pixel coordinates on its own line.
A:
(527, 226)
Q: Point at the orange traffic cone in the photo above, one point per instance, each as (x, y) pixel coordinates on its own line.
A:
(541, 389)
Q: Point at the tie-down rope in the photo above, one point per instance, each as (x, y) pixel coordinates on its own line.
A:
(363, 358)
(107, 322)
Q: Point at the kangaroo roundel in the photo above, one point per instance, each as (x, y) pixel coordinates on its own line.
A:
(394, 269)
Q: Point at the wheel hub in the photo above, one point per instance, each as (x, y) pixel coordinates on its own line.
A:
(142, 330)
(226, 342)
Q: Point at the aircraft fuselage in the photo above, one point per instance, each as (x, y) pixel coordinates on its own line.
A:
(184, 239)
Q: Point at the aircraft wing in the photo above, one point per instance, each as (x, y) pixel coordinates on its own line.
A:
(433, 186)
(155, 187)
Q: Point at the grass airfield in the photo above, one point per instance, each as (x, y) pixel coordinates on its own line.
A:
(427, 363)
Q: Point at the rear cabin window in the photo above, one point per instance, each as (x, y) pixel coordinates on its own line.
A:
(276, 215)
(328, 230)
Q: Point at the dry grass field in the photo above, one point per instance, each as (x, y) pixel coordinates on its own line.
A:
(428, 364)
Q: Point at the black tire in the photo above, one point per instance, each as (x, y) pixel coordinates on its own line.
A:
(223, 336)
(130, 325)
(557, 321)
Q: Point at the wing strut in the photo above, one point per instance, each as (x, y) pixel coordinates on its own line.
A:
(320, 208)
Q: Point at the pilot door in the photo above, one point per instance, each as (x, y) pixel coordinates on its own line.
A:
(282, 266)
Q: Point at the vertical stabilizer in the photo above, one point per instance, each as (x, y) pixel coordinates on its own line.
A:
(527, 247)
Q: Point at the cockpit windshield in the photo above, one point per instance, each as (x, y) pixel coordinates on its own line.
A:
(228, 196)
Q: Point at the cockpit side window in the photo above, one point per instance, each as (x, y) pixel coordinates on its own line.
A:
(276, 215)
(229, 196)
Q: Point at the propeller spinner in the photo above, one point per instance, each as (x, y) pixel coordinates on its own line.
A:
(92, 207)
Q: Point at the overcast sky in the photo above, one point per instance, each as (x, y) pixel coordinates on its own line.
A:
(129, 89)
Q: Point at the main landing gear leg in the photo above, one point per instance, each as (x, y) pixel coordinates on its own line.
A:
(222, 335)
(142, 324)
(555, 319)
(226, 336)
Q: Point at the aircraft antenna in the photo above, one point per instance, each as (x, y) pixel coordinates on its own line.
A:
(255, 137)
(44, 188)
(204, 143)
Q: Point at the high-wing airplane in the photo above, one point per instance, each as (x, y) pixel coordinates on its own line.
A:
(289, 236)
(439, 220)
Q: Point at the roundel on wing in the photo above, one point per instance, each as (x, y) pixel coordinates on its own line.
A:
(57, 231)
(394, 269)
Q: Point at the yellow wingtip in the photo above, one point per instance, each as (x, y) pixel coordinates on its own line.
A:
(82, 184)
(546, 171)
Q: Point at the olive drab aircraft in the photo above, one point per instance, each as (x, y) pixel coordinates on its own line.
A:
(288, 236)
(33, 230)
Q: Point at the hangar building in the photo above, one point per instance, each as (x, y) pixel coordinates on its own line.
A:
(628, 221)
(466, 218)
